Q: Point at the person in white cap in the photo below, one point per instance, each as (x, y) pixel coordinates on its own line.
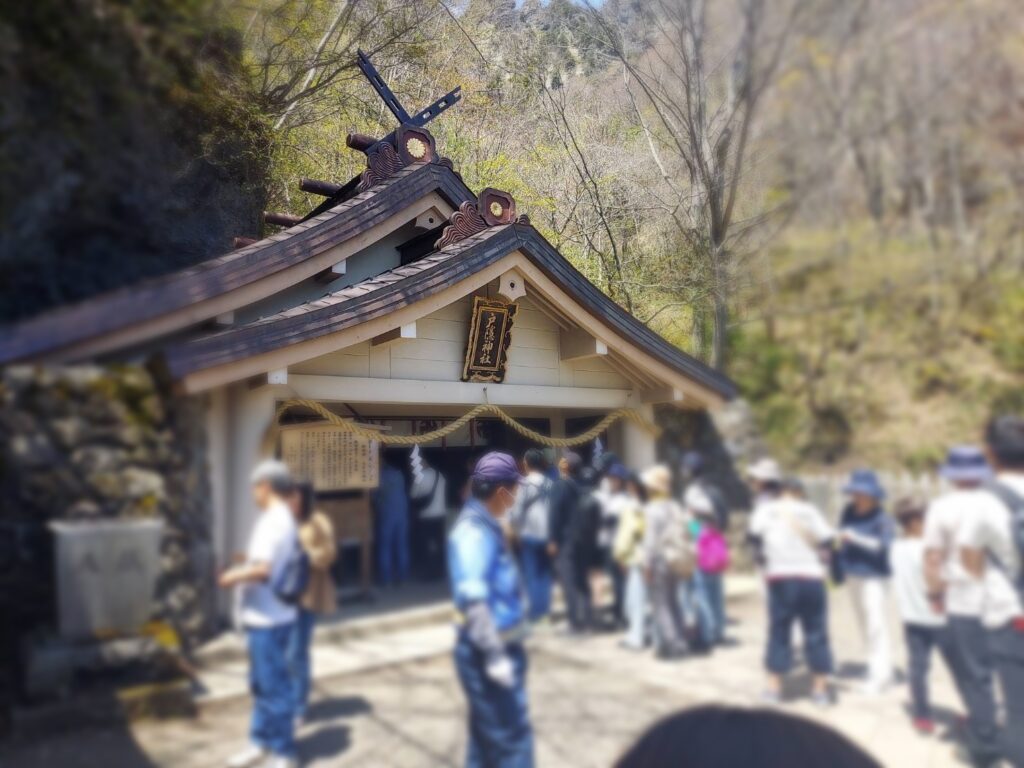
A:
(268, 620)
(791, 537)
(712, 561)
(763, 475)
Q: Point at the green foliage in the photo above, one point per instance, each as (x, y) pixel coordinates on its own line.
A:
(128, 149)
(760, 364)
(1007, 327)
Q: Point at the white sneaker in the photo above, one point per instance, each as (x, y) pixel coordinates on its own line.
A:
(248, 758)
(872, 688)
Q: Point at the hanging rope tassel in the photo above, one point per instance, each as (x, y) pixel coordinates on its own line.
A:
(485, 409)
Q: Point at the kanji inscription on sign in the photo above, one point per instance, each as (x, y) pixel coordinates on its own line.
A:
(490, 331)
(331, 458)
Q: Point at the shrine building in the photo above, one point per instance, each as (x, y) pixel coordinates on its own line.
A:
(399, 304)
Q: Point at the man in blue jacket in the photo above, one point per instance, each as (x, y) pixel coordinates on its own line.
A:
(489, 653)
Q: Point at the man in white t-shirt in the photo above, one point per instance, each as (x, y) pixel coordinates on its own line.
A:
(953, 593)
(268, 621)
(989, 552)
(789, 535)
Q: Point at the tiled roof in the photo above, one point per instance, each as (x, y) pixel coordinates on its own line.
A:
(409, 284)
(106, 313)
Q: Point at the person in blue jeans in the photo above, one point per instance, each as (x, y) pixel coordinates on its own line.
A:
(790, 537)
(268, 621)
(391, 507)
(490, 658)
(531, 523)
(708, 600)
(316, 535)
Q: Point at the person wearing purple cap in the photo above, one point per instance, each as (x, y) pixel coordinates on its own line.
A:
(489, 654)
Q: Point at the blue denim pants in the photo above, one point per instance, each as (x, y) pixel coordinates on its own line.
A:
(790, 601)
(538, 575)
(709, 605)
(1007, 646)
(500, 734)
(969, 657)
(273, 711)
(636, 607)
(393, 548)
(299, 662)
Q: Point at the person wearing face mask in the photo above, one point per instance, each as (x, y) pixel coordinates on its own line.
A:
(490, 658)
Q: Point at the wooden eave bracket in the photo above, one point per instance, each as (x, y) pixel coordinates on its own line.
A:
(332, 273)
(575, 344)
(663, 395)
(401, 333)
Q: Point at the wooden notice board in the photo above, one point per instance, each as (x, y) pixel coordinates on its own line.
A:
(331, 458)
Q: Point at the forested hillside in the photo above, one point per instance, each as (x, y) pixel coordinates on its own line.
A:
(822, 196)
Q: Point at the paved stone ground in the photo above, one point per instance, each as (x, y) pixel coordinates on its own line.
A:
(589, 700)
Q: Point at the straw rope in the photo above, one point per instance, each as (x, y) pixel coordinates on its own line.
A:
(486, 409)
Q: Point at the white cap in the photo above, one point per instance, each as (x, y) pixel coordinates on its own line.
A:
(766, 470)
(658, 479)
(271, 471)
(697, 501)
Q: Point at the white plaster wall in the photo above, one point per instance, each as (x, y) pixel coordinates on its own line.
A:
(438, 351)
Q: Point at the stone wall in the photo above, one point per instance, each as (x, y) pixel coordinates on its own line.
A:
(89, 442)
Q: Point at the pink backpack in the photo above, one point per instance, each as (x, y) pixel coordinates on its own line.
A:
(712, 551)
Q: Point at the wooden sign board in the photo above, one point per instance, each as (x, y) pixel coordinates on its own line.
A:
(330, 458)
(490, 332)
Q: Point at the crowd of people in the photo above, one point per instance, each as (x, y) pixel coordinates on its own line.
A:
(646, 554)
(660, 560)
(953, 562)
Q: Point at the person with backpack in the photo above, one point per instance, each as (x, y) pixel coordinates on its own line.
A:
(319, 598)
(712, 562)
(992, 551)
(866, 532)
(575, 519)
(669, 557)
(791, 537)
(693, 470)
(268, 619)
(613, 499)
(530, 521)
(954, 594)
(630, 556)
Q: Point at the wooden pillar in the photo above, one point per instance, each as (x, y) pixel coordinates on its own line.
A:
(637, 444)
(252, 411)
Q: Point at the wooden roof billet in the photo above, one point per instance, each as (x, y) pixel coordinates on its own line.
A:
(107, 313)
(414, 282)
